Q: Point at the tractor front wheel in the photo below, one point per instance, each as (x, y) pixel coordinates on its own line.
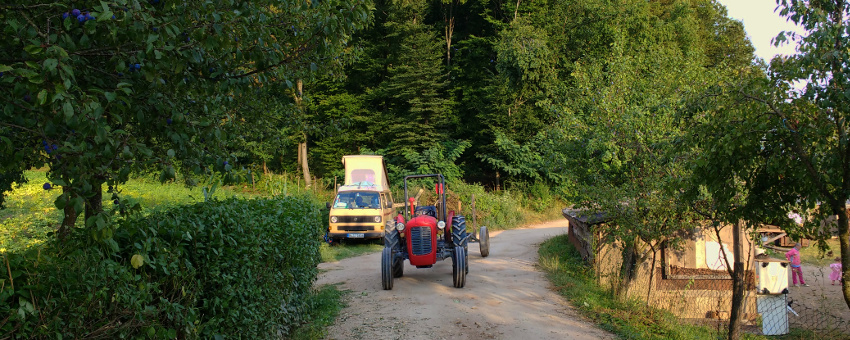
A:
(387, 268)
(459, 267)
(484, 241)
(391, 239)
(398, 267)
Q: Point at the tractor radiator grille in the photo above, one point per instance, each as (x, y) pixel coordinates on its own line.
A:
(420, 240)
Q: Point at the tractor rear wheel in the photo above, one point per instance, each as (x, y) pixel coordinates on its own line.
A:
(459, 267)
(459, 235)
(484, 241)
(387, 268)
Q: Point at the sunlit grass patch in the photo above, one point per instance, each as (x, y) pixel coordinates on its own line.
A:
(30, 214)
(333, 253)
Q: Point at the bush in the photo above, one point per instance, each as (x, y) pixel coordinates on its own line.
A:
(506, 209)
(233, 268)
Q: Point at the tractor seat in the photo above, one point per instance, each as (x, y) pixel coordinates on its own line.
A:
(429, 210)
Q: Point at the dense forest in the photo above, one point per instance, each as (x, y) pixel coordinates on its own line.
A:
(488, 90)
(654, 112)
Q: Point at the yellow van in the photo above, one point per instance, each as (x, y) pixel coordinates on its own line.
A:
(364, 203)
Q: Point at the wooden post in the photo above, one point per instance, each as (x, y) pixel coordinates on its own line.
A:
(737, 284)
(474, 224)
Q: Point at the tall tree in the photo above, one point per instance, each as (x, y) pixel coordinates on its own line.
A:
(618, 129)
(98, 91)
(413, 96)
(797, 141)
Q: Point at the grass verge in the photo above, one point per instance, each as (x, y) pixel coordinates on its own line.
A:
(336, 252)
(325, 304)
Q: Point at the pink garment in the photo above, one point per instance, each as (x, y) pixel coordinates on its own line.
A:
(836, 271)
(794, 256)
(795, 273)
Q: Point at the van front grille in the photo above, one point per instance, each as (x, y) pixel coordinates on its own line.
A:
(356, 228)
(356, 219)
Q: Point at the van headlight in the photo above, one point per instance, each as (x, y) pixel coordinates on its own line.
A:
(377, 219)
(399, 226)
(441, 225)
(334, 219)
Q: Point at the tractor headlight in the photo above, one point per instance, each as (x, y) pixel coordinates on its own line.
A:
(400, 226)
(334, 219)
(377, 219)
(441, 225)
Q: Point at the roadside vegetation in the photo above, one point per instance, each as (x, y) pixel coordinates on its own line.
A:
(191, 270)
(30, 217)
(323, 308)
(30, 220)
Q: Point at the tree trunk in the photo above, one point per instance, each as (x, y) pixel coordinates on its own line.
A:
(844, 246)
(627, 270)
(94, 204)
(651, 276)
(70, 216)
(305, 168)
(302, 147)
(737, 284)
(449, 31)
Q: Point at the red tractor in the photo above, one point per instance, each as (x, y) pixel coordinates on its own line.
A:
(420, 236)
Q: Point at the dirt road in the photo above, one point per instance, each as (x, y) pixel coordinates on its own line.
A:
(505, 297)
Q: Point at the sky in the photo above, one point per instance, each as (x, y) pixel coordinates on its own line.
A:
(762, 24)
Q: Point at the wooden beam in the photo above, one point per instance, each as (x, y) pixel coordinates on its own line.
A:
(774, 238)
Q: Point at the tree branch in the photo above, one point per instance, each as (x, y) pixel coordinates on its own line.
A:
(29, 20)
(797, 148)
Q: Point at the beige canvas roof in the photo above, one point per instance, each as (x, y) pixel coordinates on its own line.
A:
(364, 172)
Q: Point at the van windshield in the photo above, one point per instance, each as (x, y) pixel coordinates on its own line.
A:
(357, 200)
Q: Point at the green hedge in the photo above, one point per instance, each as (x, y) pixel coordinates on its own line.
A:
(233, 268)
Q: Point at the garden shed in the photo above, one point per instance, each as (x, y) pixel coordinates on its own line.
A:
(692, 281)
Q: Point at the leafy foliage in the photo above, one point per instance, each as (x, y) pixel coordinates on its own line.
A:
(227, 268)
(438, 159)
(766, 150)
(98, 90)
